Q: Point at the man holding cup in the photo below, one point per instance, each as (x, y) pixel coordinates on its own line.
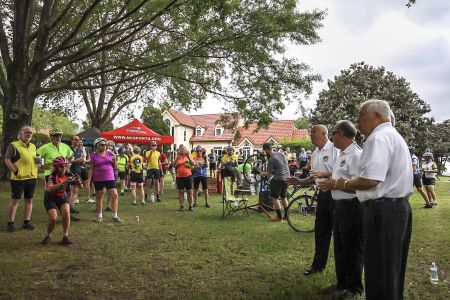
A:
(21, 160)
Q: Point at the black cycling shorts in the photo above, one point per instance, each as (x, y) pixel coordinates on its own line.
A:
(417, 182)
(54, 203)
(153, 174)
(203, 180)
(122, 175)
(212, 166)
(136, 177)
(278, 188)
(108, 184)
(429, 181)
(25, 187)
(184, 183)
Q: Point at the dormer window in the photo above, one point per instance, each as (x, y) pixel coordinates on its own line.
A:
(198, 131)
(219, 130)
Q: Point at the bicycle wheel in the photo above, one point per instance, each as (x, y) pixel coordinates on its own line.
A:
(301, 213)
(257, 163)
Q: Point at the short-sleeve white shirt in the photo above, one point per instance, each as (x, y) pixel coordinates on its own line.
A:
(347, 166)
(386, 158)
(323, 159)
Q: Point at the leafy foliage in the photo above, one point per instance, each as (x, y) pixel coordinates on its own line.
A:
(361, 82)
(151, 117)
(298, 144)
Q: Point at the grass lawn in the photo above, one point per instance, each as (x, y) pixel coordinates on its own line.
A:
(193, 255)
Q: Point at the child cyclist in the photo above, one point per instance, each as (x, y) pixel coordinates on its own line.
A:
(56, 197)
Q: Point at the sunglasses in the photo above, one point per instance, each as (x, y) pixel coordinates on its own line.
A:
(101, 145)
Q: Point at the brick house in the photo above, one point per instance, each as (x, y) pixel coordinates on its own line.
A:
(193, 130)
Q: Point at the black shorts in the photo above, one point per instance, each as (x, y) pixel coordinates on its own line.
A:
(22, 186)
(153, 174)
(122, 175)
(108, 184)
(184, 183)
(54, 203)
(229, 173)
(212, 166)
(417, 182)
(203, 180)
(278, 188)
(136, 177)
(429, 181)
(84, 174)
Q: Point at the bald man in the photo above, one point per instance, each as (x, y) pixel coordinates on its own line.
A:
(322, 162)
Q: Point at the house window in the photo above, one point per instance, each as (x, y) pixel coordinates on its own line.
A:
(184, 135)
(218, 151)
(246, 150)
(198, 131)
(167, 122)
(219, 130)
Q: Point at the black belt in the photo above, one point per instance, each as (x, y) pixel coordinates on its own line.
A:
(347, 200)
(384, 200)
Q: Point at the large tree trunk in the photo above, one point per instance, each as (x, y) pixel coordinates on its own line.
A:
(17, 112)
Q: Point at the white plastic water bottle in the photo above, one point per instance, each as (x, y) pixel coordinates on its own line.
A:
(434, 273)
(173, 185)
(185, 196)
(152, 197)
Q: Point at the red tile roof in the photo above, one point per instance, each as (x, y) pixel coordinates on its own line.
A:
(208, 123)
(278, 130)
(182, 118)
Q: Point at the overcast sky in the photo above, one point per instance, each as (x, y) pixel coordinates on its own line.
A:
(411, 42)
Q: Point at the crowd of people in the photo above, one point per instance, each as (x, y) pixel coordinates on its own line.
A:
(362, 200)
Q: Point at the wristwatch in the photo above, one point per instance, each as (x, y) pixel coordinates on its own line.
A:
(345, 184)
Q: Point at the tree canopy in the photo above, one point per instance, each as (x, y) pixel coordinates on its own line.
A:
(151, 117)
(361, 82)
(183, 50)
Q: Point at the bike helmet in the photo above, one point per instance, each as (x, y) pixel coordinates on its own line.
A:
(412, 149)
(55, 131)
(60, 161)
(120, 151)
(98, 141)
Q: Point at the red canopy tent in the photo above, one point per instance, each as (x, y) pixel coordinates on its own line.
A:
(136, 133)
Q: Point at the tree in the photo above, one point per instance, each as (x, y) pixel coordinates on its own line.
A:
(362, 82)
(303, 123)
(43, 119)
(435, 137)
(188, 49)
(151, 117)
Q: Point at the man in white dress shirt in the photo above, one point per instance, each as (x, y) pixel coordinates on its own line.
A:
(383, 187)
(347, 227)
(322, 163)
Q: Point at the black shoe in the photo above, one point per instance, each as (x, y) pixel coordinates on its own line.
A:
(207, 205)
(73, 210)
(74, 218)
(46, 240)
(108, 208)
(10, 227)
(158, 199)
(191, 208)
(66, 241)
(195, 205)
(428, 206)
(349, 294)
(28, 225)
(311, 271)
(182, 209)
(121, 193)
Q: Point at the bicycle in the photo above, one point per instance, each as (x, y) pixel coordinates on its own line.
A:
(301, 211)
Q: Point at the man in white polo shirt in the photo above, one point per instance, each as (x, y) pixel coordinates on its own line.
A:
(347, 227)
(383, 187)
(322, 163)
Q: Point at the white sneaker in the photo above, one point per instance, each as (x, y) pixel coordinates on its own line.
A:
(98, 219)
(76, 201)
(90, 201)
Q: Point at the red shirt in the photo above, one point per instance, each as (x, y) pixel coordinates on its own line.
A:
(162, 159)
(55, 178)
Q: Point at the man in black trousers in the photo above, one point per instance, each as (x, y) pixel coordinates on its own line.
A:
(347, 227)
(383, 187)
(323, 159)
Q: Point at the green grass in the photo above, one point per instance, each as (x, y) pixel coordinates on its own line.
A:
(193, 255)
